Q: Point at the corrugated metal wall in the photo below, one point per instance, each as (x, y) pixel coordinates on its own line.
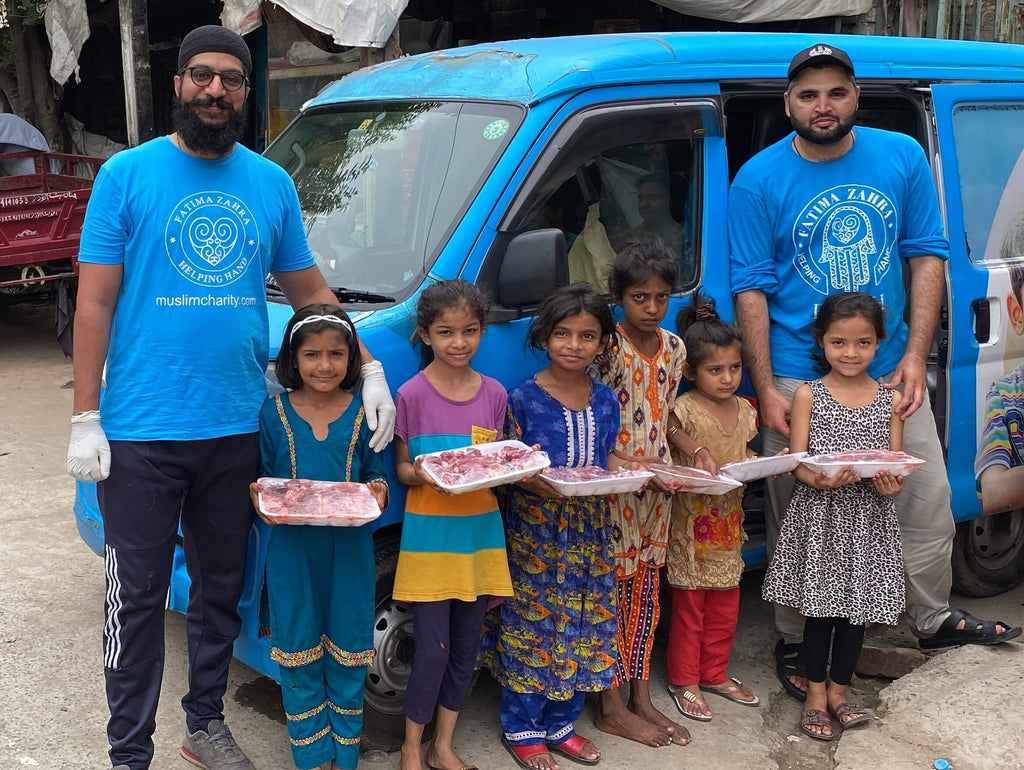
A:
(988, 20)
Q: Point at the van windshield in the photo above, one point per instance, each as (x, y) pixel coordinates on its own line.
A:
(383, 185)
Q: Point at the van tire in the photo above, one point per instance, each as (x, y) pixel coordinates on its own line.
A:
(988, 554)
(387, 678)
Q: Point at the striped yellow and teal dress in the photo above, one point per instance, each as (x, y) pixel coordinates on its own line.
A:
(453, 546)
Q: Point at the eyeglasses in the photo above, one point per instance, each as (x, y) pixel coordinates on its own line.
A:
(203, 76)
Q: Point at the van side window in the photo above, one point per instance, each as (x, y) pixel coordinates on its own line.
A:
(989, 150)
(618, 179)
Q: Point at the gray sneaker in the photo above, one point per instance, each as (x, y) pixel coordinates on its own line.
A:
(215, 749)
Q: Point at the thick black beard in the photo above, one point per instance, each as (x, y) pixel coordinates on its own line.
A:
(833, 135)
(204, 139)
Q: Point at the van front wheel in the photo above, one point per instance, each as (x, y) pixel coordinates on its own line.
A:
(988, 554)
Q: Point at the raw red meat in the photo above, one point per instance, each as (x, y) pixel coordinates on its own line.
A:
(303, 501)
(457, 467)
(682, 470)
(587, 473)
(867, 456)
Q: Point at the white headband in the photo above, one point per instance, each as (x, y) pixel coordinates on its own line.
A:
(314, 318)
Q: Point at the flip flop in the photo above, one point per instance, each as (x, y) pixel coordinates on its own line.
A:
(729, 695)
(789, 661)
(974, 632)
(815, 718)
(522, 753)
(845, 709)
(572, 749)
(687, 695)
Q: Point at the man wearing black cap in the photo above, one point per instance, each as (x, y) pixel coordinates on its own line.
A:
(829, 209)
(178, 238)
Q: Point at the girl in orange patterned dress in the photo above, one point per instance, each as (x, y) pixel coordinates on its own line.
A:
(644, 372)
(710, 426)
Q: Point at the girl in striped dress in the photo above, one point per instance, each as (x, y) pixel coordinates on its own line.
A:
(452, 560)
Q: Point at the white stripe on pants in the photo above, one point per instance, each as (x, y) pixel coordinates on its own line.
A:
(922, 508)
(113, 606)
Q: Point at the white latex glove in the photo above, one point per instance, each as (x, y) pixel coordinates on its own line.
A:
(379, 406)
(88, 450)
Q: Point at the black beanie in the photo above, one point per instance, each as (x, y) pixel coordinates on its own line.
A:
(214, 38)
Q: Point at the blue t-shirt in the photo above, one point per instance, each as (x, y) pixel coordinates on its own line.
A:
(189, 339)
(800, 231)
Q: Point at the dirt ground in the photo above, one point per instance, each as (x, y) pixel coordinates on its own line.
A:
(51, 683)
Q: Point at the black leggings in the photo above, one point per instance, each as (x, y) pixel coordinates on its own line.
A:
(846, 645)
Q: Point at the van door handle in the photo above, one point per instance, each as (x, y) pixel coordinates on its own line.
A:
(982, 320)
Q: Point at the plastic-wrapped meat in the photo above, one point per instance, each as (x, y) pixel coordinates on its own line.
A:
(588, 473)
(303, 501)
(868, 456)
(484, 465)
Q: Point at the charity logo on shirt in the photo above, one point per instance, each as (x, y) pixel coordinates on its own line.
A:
(844, 239)
(211, 238)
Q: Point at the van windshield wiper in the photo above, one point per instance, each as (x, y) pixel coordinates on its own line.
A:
(355, 295)
(345, 296)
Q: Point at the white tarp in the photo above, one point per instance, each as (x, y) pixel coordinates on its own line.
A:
(67, 27)
(18, 135)
(241, 16)
(365, 23)
(752, 11)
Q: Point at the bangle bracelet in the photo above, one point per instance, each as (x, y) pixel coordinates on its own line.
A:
(672, 431)
(698, 450)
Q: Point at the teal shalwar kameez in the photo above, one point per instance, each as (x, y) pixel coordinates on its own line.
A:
(320, 585)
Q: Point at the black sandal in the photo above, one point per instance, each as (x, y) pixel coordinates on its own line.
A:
(974, 632)
(789, 661)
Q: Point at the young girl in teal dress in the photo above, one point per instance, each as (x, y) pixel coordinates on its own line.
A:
(320, 580)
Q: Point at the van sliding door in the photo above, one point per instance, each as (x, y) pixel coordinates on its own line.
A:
(980, 130)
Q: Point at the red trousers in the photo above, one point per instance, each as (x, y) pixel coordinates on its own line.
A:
(700, 635)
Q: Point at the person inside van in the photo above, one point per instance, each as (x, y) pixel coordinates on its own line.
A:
(999, 467)
(833, 208)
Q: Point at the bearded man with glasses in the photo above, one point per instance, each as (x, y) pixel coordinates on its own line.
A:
(179, 236)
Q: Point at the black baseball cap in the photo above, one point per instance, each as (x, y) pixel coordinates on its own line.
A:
(819, 54)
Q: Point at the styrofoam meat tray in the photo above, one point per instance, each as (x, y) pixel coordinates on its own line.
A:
(317, 503)
(762, 467)
(897, 463)
(680, 478)
(610, 483)
(490, 477)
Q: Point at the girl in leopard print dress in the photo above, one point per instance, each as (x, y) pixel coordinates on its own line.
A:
(838, 557)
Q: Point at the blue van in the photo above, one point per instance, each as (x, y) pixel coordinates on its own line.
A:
(517, 165)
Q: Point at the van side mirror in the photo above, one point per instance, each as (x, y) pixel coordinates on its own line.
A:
(535, 264)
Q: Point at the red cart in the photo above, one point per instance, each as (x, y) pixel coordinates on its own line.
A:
(41, 217)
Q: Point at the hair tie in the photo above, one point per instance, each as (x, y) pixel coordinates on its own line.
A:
(314, 318)
(705, 312)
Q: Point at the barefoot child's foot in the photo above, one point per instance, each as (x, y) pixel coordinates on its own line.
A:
(439, 758)
(645, 709)
(410, 758)
(616, 719)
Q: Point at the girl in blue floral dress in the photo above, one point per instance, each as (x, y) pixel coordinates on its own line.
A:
(556, 638)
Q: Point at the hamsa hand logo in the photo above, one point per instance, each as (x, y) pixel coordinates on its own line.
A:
(848, 244)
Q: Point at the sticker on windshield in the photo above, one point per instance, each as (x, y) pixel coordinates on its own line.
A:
(496, 129)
